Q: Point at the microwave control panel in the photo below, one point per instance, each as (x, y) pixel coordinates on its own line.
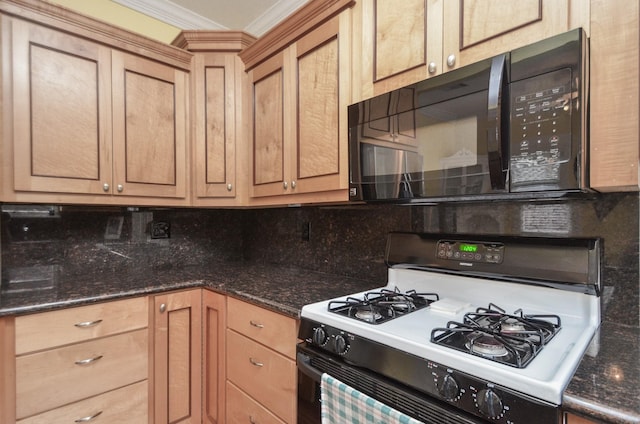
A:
(540, 139)
(470, 251)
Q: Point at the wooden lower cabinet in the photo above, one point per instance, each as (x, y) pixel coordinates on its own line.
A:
(244, 409)
(177, 356)
(83, 370)
(574, 419)
(127, 405)
(76, 363)
(214, 323)
(261, 363)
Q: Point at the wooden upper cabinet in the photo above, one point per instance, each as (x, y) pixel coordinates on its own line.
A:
(398, 41)
(477, 29)
(615, 106)
(268, 150)
(62, 111)
(220, 116)
(90, 113)
(405, 42)
(149, 127)
(300, 99)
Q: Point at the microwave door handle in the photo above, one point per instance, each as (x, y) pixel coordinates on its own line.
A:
(494, 122)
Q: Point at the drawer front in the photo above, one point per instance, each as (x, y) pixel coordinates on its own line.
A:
(128, 405)
(267, 376)
(241, 408)
(52, 378)
(57, 328)
(277, 331)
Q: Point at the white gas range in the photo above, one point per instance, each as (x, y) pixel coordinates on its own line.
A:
(494, 327)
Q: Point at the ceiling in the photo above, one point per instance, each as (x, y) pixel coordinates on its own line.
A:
(252, 16)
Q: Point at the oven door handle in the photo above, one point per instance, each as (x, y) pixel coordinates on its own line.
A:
(304, 365)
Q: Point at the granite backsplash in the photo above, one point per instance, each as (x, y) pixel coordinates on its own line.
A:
(343, 240)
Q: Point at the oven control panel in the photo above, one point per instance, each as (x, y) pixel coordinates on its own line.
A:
(456, 250)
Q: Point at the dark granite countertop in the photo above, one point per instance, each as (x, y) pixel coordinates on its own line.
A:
(281, 289)
(606, 385)
(604, 388)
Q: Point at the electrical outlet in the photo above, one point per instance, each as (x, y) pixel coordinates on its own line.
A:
(306, 231)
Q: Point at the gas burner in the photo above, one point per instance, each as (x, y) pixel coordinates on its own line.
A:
(485, 345)
(367, 315)
(512, 326)
(375, 307)
(512, 339)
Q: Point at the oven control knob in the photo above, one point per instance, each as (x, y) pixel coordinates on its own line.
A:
(448, 387)
(341, 344)
(320, 336)
(489, 403)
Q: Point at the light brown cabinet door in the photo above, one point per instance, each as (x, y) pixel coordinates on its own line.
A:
(478, 29)
(614, 145)
(61, 111)
(268, 151)
(214, 372)
(264, 374)
(401, 43)
(149, 127)
(127, 405)
(320, 143)
(82, 370)
(215, 129)
(300, 115)
(177, 357)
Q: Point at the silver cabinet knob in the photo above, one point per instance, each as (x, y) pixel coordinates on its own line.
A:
(163, 307)
(119, 188)
(432, 68)
(293, 184)
(285, 185)
(229, 187)
(105, 187)
(451, 60)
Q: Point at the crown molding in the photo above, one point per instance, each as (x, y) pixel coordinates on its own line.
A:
(179, 17)
(274, 15)
(171, 13)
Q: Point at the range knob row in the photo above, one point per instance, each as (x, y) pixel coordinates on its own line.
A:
(320, 338)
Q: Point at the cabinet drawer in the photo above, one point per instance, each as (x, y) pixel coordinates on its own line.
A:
(49, 379)
(269, 328)
(127, 405)
(241, 408)
(265, 375)
(51, 329)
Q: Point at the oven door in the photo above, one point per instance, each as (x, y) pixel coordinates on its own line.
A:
(312, 363)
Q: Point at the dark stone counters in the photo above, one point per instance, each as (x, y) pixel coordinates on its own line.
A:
(605, 387)
(283, 290)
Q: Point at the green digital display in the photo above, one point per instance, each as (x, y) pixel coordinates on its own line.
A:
(466, 247)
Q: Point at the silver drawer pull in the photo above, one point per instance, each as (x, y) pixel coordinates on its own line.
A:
(88, 360)
(256, 324)
(88, 323)
(88, 418)
(256, 363)
(252, 420)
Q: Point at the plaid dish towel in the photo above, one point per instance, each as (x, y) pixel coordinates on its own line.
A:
(342, 404)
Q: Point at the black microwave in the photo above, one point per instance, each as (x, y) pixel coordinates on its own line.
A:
(514, 125)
